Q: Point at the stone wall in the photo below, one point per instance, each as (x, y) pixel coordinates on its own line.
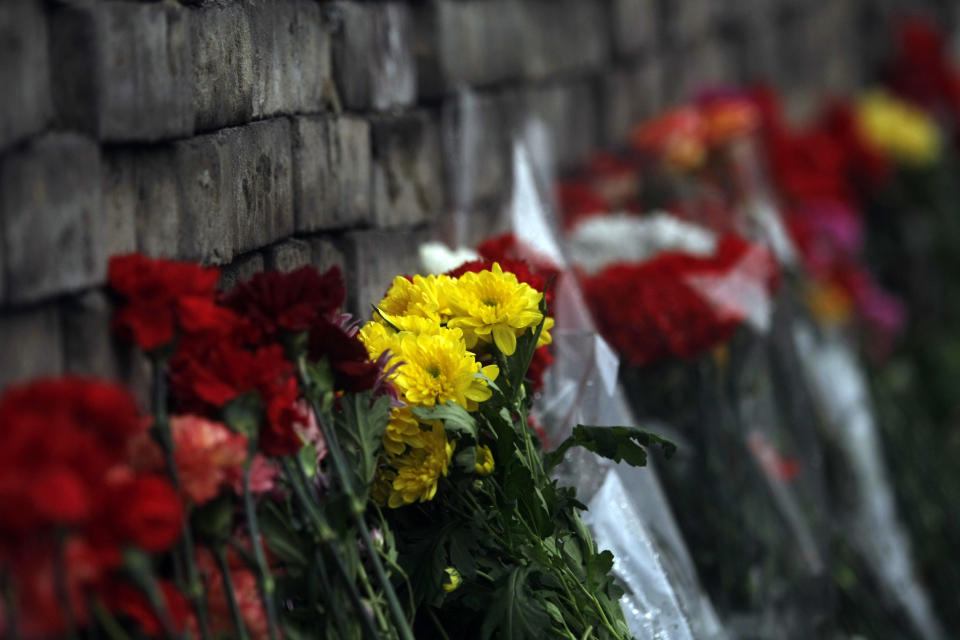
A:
(259, 134)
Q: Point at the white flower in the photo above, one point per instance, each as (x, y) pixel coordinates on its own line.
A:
(622, 237)
(437, 258)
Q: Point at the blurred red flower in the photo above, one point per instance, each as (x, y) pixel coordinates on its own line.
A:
(160, 296)
(352, 367)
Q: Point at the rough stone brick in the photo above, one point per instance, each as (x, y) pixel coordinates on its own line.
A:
(31, 342)
(634, 25)
(373, 259)
(563, 36)
(236, 190)
(325, 254)
(468, 42)
(372, 56)
(684, 23)
(629, 96)
(291, 65)
(569, 112)
(287, 255)
(88, 344)
(689, 70)
(243, 268)
(223, 63)
(140, 190)
(408, 183)
(51, 209)
(24, 70)
(123, 71)
(476, 135)
(331, 172)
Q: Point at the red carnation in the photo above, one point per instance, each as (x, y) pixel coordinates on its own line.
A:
(579, 201)
(664, 308)
(161, 295)
(148, 513)
(276, 301)
(130, 602)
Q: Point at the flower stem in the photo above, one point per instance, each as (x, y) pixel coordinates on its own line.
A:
(264, 578)
(221, 555)
(108, 622)
(61, 583)
(12, 625)
(195, 589)
(325, 533)
(357, 510)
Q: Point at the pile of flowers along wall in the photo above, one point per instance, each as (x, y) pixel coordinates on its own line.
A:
(465, 460)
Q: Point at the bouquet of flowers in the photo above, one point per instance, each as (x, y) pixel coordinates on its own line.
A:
(298, 476)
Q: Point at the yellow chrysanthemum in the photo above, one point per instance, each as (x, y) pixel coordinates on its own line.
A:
(402, 430)
(493, 305)
(419, 470)
(377, 338)
(436, 368)
(899, 128)
(383, 486)
(484, 465)
(423, 297)
(451, 579)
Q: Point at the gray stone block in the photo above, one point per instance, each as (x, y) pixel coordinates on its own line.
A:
(236, 190)
(331, 172)
(123, 71)
(629, 96)
(51, 210)
(24, 70)
(243, 268)
(31, 342)
(684, 23)
(408, 182)
(468, 42)
(291, 64)
(634, 25)
(141, 200)
(563, 37)
(325, 254)
(88, 345)
(223, 64)
(287, 255)
(570, 113)
(477, 131)
(373, 60)
(373, 259)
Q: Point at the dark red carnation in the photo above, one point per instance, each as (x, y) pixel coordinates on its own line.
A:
(279, 436)
(352, 367)
(127, 601)
(276, 301)
(160, 296)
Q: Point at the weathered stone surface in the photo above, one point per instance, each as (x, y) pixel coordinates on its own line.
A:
(469, 42)
(408, 183)
(140, 202)
(88, 345)
(243, 268)
(563, 36)
(236, 190)
(287, 255)
(325, 254)
(123, 71)
(373, 259)
(372, 55)
(629, 96)
(569, 111)
(31, 343)
(684, 23)
(689, 70)
(51, 210)
(476, 135)
(24, 70)
(331, 172)
(291, 64)
(634, 25)
(223, 64)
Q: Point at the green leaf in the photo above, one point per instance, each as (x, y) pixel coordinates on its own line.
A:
(243, 415)
(456, 420)
(361, 425)
(466, 459)
(514, 614)
(616, 443)
(280, 536)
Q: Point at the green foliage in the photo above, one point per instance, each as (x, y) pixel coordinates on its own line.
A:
(616, 443)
